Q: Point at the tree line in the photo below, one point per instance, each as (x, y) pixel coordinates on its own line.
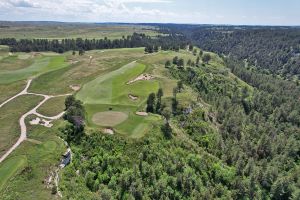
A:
(136, 40)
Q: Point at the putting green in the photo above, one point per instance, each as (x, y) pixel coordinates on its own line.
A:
(10, 167)
(109, 118)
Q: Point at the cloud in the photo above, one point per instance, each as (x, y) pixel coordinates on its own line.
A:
(22, 3)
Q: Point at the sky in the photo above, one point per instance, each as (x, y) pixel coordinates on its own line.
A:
(235, 12)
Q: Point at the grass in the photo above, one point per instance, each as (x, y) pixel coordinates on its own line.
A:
(53, 106)
(9, 119)
(41, 65)
(59, 81)
(9, 90)
(74, 30)
(26, 181)
(134, 126)
(14, 62)
(10, 167)
(112, 88)
(109, 118)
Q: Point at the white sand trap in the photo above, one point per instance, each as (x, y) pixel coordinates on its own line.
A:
(35, 121)
(42, 122)
(141, 113)
(108, 131)
(132, 97)
(46, 123)
(75, 87)
(142, 77)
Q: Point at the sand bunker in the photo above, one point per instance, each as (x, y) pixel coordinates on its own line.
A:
(132, 97)
(41, 122)
(75, 87)
(141, 113)
(108, 131)
(142, 77)
(109, 118)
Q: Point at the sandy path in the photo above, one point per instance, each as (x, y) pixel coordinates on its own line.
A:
(23, 135)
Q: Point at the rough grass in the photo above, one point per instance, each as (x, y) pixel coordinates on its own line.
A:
(41, 65)
(109, 118)
(53, 106)
(27, 181)
(9, 119)
(9, 90)
(10, 167)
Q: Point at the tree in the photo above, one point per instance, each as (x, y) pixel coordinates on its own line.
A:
(180, 62)
(175, 60)
(81, 52)
(167, 130)
(191, 47)
(151, 103)
(189, 62)
(74, 53)
(167, 64)
(155, 48)
(200, 53)
(166, 113)
(198, 61)
(158, 101)
(195, 52)
(179, 86)
(206, 58)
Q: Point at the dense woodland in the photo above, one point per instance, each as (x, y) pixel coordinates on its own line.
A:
(273, 50)
(169, 42)
(246, 146)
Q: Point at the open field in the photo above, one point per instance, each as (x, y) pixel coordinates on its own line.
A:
(72, 30)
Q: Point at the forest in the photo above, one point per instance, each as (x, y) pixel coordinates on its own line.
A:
(272, 50)
(171, 41)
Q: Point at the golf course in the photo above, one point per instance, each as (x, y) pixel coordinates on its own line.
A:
(113, 88)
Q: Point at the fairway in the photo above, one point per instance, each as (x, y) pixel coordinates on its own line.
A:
(10, 167)
(111, 88)
(40, 66)
(109, 118)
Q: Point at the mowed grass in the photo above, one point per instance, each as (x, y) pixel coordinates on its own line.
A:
(82, 71)
(109, 118)
(41, 65)
(10, 167)
(9, 119)
(112, 88)
(53, 106)
(134, 126)
(14, 62)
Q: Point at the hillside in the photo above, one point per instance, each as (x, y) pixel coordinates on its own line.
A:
(180, 124)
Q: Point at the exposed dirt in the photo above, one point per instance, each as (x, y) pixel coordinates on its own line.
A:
(142, 77)
(141, 113)
(132, 97)
(75, 87)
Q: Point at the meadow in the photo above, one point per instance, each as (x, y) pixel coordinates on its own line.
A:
(73, 30)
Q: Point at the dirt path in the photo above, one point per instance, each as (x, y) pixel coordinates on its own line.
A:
(23, 135)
